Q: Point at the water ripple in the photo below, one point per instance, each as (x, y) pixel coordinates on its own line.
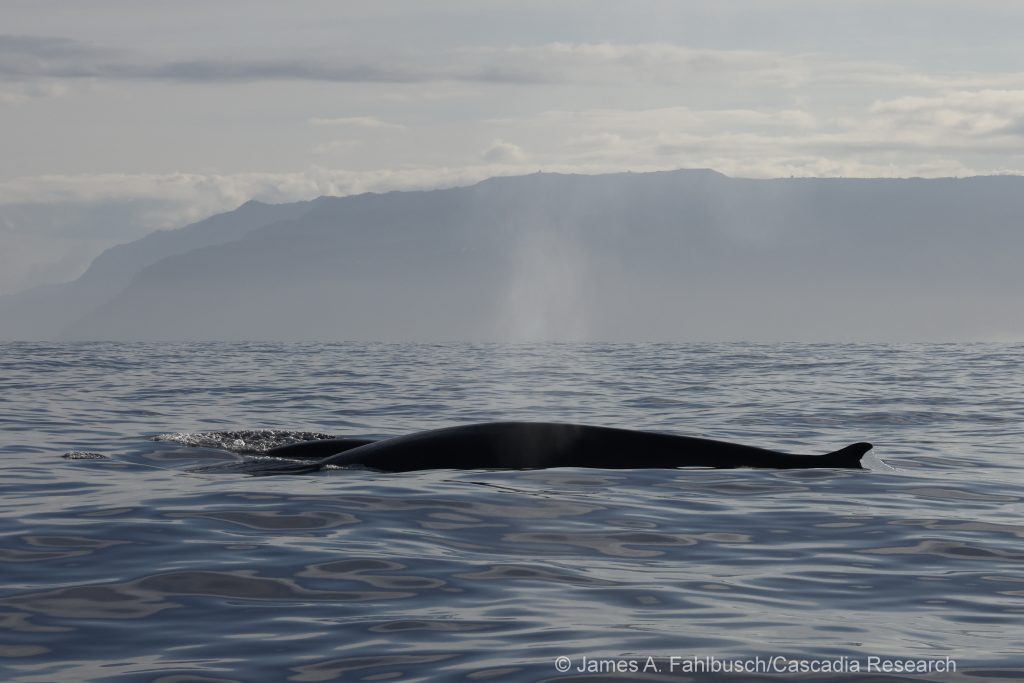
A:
(135, 568)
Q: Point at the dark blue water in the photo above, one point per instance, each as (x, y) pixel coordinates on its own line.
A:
(134, 568)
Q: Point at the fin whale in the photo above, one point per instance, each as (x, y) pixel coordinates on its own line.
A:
(319, 448)
(539, 445)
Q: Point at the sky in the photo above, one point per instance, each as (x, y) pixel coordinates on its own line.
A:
(119, 117)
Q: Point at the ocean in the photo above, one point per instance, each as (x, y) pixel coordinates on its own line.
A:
(120, 561)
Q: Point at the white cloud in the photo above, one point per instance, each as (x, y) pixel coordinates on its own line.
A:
(356, 122)
(966, 115)
(502, 152)
(957, 133)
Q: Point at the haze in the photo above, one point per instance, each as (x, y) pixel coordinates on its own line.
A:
(118, 118)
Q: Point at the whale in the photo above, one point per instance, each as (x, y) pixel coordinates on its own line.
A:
(542, 445)
(319, 448)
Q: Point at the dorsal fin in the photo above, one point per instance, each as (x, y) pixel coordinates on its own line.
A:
(849, 456)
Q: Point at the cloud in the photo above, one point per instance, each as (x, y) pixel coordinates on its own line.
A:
(31, 54)
(501, 152)
(31, 57)
(356, 122)
(27, 57)
(21, 58)
(185, 197)
(81, 214)
(962, 133)
(224, 71)
(628, 64)
(967, 115)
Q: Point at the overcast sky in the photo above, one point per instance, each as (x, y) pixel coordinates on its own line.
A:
(123, 116)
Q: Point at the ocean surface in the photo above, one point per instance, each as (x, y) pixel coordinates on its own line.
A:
(119, 562)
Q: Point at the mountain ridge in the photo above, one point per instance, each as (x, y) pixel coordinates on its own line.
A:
(675, 255)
